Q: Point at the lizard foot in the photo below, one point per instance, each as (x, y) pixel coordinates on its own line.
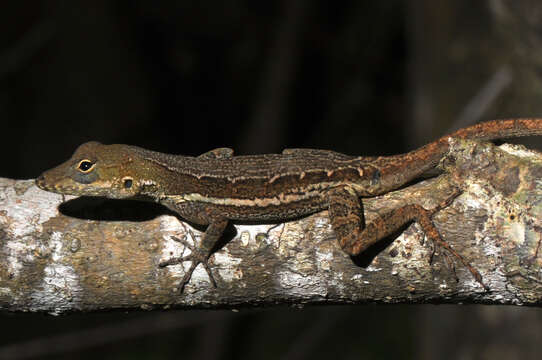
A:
(437, 238)
(196, 257)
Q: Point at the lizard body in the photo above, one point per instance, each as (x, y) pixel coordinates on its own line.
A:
(217, 187)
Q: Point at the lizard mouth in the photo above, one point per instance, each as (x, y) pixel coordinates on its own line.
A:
(67, 186)
(43, 184)
(40, 182)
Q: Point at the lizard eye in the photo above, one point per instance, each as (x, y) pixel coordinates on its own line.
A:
(85, 166)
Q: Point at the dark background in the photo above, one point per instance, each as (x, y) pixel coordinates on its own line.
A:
(187, 76)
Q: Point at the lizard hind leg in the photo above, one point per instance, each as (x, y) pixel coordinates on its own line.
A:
(355, 237)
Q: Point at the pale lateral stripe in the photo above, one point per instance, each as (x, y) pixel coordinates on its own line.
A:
(258, 202)
(314, 190)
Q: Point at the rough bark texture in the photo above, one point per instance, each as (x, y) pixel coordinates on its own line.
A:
(94, 254)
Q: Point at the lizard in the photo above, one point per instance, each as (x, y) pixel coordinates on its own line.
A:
(217, 187)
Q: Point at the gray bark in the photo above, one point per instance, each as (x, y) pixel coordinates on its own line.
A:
(55, 263)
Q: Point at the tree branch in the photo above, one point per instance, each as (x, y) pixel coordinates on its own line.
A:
(103, 254)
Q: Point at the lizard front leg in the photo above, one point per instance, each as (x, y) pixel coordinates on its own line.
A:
(354, 236)
(200, 253)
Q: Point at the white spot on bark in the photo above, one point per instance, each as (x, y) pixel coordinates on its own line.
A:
(59, 290)
(17, 251)
(245, 238)
(55, 243)
(372, 268)
(226, 265)
(249, 234)
(520, 151)
(298, 285)
(4, 291)
(515, 231)
(24, 212)
(60, 286)
(225, 259)
(170, 224)
(21, 209)
(324, 260)
(479, 200)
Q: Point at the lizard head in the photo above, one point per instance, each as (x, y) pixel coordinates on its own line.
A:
(96, 170)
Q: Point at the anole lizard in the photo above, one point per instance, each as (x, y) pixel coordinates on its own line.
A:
(217, 187)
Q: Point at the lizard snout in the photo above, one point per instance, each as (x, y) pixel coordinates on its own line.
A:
(40, 181)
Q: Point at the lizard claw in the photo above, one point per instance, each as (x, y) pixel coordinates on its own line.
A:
(196, 257)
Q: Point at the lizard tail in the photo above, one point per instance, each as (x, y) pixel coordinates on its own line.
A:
(500, 129)
(397, 170)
